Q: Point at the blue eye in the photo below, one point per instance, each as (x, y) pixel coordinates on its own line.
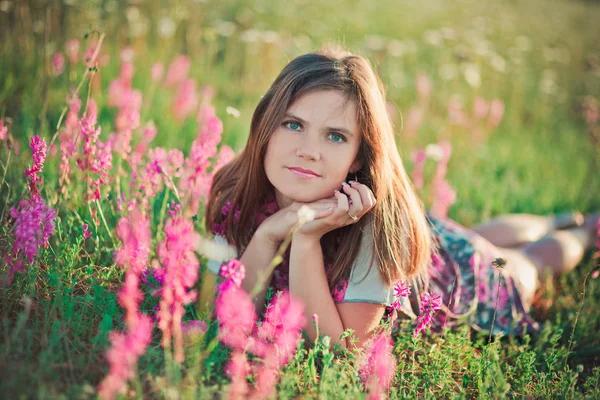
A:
(341, 137)
(289, 124)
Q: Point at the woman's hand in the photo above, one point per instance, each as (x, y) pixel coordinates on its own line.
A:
(279, 225)
(362, 201)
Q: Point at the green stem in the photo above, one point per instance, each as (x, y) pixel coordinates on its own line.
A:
(264, 275)
(104, 222)
(496, 307)
(577, 317)
(7, 185)
(162, 210)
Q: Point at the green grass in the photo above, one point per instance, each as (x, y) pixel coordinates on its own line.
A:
(55, 317)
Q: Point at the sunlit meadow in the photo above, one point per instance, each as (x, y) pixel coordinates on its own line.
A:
(114, 117)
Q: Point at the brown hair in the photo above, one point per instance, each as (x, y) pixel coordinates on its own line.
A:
(401, 235)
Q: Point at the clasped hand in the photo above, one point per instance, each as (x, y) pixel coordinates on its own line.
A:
(330, 213)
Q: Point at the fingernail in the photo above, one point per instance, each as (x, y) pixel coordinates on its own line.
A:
(344, 183)
(352, 182)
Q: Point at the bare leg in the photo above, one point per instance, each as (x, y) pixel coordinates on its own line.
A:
(556, 253)
(517, 229)
(560, 251)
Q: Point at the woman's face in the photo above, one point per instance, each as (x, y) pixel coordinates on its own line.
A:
(319, 133)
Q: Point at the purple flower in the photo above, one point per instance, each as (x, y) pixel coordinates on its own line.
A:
(38, 149)
(430, 303)
(232, 274)
(86, 233)
(401, 289)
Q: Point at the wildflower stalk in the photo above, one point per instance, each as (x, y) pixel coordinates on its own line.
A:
(577, 318)
(7, 185)
(88, 71)
(163, 210)
(499, 264)
(277, 259)
(495, 308)
(104, 222)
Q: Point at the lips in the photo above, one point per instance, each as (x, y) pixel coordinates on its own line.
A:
(304, 171)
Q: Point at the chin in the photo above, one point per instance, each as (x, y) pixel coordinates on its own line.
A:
(303, 196)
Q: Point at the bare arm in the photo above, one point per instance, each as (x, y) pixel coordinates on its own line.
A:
(308, 282)
(256, 259)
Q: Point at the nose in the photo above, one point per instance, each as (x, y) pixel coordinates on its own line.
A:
(309, 148)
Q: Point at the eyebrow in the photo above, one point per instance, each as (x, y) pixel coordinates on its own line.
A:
(332, 128)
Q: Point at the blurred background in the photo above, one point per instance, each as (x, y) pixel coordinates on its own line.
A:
(513, 86)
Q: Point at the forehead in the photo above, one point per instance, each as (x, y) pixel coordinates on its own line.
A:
(326, 106)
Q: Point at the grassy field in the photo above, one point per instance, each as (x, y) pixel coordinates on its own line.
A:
(537, 62)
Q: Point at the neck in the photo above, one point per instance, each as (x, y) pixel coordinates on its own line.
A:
(282, 201)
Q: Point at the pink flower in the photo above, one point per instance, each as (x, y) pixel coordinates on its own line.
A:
(88, 57)
(430, 303)
(207, 92)
(127, 347)
(444, 196)
(178, 70)
(58, 64)
(196, 180)
(135, 234)
(177, 256)
(235, 311)
(34, 224)
(237, 369)
(72, 50)
(379, 365)
(86, 233)
(3, 131)
(480, 108)
(266, 378)
(418, 158)
(96, 159)
(123, 355)
(127, 71)
(496, 113)
(280, 329)
(401, 289)
(157, 71)
(424, 87)
(232, 274)
(185, 100)
(414, 120)
(456, 115)
(127, 54)
(38, 148)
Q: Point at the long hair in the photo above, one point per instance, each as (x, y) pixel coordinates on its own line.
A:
(401, 236)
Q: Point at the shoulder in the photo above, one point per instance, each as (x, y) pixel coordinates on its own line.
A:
(366, 283)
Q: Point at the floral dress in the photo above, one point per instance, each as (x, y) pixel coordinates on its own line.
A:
(461, 271)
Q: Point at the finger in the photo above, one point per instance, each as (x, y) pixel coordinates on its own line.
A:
(342, 206)
(356, 208)
(366, 195)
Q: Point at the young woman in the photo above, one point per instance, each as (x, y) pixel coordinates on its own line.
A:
(321, 137)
